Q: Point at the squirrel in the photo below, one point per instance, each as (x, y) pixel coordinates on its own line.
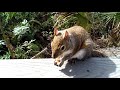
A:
(71, 44)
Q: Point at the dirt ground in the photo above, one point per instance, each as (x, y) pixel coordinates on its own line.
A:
(111, 52)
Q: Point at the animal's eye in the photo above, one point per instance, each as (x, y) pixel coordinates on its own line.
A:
(62, 47)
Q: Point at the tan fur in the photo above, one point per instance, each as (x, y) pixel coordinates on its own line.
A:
(76, 41)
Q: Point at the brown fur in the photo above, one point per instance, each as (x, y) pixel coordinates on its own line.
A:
(76, 39)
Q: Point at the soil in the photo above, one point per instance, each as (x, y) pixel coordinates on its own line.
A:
(111, 52)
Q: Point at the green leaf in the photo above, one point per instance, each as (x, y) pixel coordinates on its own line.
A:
(6, 56)
(83, 20)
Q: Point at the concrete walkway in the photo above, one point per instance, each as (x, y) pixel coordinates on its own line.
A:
(44, 68)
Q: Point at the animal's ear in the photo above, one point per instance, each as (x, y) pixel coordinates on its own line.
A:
(55, 31)
(65, 35)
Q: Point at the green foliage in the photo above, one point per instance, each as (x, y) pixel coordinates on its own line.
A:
(2, 42)
(67, 20)
(3, 49)
(26, 33)
(104, 21)
(83, 20)
(5, 56)
(23, 51)
(20, 28)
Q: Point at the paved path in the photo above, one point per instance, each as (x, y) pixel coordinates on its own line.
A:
(44, 68)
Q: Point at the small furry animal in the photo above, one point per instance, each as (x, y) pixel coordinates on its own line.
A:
(71, 44)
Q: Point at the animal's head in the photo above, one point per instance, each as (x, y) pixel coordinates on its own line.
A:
(60, 45)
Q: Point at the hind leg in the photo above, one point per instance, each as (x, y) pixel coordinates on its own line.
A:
(79, 56)
(84, 52)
